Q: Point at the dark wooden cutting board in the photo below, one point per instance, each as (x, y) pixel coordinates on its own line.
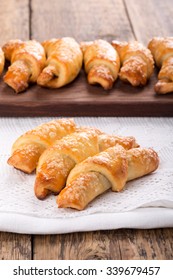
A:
(81, 99)
(88, 21)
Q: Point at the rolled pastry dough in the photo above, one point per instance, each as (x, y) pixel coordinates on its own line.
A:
(109, 169)
(27, 61)
(162, 51)
(136, 62)
(101, 63)
(64, 61)
(57, 161)
(27, 148)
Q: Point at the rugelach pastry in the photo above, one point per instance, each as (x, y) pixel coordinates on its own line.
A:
(27, 61)
(162, 51)
(28, 148)
(63, 64)
(101, 62)
(57, 161)
(111, 168)
(137, 63)
(2, 61)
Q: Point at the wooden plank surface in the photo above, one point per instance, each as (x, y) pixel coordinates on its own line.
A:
(83, 20)
(14, 18)
(108, 245)
(77, 246)
(77, 19)
(150, 18)
(112, 245)
(15, 246)
(81, 99)
(150, 244)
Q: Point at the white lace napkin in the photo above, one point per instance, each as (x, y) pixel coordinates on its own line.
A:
(146, 202)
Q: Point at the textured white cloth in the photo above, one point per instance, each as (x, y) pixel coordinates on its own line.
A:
(145, 203)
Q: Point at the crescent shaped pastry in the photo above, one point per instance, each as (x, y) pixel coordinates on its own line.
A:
(136, 62)
(57, 161)
(162, 51)
(101, 62)
(28, 148)
(64, 61)
(111, 168)
(27, 61)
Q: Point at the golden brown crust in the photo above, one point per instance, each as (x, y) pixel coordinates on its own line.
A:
(112, 163)
(2, 61)
(83, 190)
(27, 61)
(25, 157)
(101, 63)
(162, 51)
(64, 61)
(141, 161)
(106, 141)
(57, 161)
(27, 148)
(136, 60)
(53, 169)
(10, 47)
(109, 169)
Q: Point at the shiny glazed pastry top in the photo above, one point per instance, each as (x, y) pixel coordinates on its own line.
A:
(27, 149)
(101, 63)
(162, 51)
(27, 61)
(111, 168)
(63, 64)
(57, 161)
(137, 63)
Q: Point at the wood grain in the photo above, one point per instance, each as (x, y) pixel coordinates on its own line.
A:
(83, 20)
(81, 99)
(150, 18)
(150, 244)
(77, 246)
(80, 20)
(110, 245)
(15, 246)
(14, 18)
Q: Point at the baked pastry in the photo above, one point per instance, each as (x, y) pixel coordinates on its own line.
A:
(101, 62)
(57, 161)
(162, 51)
(27, 148)
(2, 61)
(64, 61)
(27, 61)
(137, 63)
(109, 169)
(106, 141)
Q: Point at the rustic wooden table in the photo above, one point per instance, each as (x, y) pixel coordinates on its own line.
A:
(87, 20)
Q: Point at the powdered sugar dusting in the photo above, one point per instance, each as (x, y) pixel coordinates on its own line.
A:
(152, 190)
